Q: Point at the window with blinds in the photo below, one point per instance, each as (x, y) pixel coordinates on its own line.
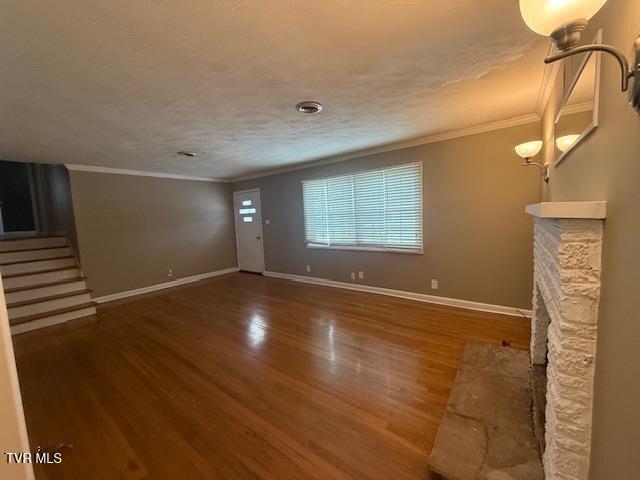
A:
(375, 210)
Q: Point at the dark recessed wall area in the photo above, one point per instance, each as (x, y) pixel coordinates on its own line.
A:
(15, 197)
(36, 197)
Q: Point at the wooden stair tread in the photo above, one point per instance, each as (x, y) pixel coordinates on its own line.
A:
(33, 237)
(33, 260)
(51, 313)
(33, 249)
(36, 272)
(44, 285)
(49, 298)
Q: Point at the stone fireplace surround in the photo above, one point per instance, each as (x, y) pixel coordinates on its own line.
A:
(566, 295)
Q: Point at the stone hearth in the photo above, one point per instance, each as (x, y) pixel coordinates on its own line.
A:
(486, 432)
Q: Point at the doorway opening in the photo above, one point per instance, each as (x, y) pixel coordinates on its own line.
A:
(248, 222)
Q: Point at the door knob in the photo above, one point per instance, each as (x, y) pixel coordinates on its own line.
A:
(258, 238)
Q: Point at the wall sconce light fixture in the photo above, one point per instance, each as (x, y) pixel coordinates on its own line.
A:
(527, 151)
(564, 143)
(564, 21)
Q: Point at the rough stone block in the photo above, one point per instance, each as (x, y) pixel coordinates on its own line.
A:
(569, 362)
(579, 255)
(590, 290)
(579, 309)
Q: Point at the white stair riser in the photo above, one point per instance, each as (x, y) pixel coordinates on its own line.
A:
(53, 320)
(35, 266)
(34, 254)
(37, 278)
(43, 307)
(45, 291)
(32, 243)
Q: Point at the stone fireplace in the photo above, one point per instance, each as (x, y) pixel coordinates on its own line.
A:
(567, 250)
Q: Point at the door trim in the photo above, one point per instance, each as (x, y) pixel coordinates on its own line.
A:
(235, 223)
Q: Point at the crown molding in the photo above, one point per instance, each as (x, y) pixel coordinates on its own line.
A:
(389, 147)
(415, 142)
(139, 173)
(578, 108)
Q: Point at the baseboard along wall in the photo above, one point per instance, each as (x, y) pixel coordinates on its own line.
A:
(161, 286)
(421, 297)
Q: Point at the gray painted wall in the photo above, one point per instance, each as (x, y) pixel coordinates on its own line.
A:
(132, 229)
(607, 167)
(477, 238)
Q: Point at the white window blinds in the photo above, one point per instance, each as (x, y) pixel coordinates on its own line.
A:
(379, 209)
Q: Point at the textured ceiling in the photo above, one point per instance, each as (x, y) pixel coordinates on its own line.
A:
(126, 84)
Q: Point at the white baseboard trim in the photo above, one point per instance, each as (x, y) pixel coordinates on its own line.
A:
(421, 297)
(161, 286)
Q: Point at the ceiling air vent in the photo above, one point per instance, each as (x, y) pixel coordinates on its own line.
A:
(309, 108)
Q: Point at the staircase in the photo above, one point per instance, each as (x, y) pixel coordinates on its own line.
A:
(43, 283)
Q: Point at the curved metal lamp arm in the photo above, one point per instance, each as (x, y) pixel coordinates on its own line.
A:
(544, 169)
(624, 65)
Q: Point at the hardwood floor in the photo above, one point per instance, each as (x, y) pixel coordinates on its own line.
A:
(244, 377)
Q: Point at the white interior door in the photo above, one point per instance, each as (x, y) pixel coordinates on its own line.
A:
(249, 230)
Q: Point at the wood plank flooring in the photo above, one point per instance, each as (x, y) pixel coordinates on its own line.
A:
(244, 377)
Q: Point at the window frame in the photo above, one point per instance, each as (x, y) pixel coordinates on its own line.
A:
(364, 248)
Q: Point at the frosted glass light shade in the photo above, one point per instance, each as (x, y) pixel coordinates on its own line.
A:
(544, 16)
(564, 143)
(529, 149)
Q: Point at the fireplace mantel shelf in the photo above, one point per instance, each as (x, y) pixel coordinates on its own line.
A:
(594, 210)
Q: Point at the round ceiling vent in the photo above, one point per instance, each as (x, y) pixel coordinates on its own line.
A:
(309, 107)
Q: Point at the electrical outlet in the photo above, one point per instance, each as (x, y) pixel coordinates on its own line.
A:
(361, 275)
(308, 268)
(353, 275)
(170, 273)
(434, 284)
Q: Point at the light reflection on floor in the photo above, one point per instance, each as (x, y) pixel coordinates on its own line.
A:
(332, 348)
(257, 332)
